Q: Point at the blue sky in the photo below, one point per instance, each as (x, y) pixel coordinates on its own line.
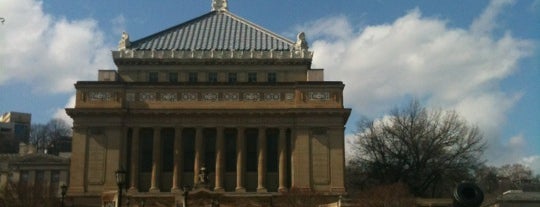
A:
(480, 58)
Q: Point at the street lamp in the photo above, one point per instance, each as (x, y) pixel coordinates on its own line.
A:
(120, 181)
(63, 191)
(186, 189)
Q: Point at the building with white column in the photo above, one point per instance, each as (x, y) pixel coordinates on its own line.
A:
(218, 92)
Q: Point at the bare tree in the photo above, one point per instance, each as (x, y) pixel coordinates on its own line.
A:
(42, 135)
(514, 176)
(425, 149)
(20, 195)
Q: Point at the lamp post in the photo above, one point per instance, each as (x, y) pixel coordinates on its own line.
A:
(120, 181)
(186, 189)
(63, 191)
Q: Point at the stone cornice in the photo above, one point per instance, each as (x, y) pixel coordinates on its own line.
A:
(206, 85)
(208, 112)
(212, 57)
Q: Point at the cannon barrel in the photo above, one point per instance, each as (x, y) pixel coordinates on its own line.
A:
(467, 194)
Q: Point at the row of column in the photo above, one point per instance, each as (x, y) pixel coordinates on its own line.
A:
(220, 159)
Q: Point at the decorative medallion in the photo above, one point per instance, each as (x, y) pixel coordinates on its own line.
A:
(147, 96)
(189, 96)
(231, 96)
(319, 95)
(272, 96)
(210, 96)
(99, 96)
(252, 96)
(170, 97)
(289, 96)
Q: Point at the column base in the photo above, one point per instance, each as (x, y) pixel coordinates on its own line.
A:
(219, 189)
(283, 189)
(154, 190)
(340, 190)
(261, 190)
(176, 190)
(240, 189)
(132, 190)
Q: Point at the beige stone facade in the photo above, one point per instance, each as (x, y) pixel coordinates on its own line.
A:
(32, 171)
(258, 118)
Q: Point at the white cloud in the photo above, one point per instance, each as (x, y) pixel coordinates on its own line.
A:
(533, 162)
(423, 57)
(61, 112)
(46, 52)
(486, 22)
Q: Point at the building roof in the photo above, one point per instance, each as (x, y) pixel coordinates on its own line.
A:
(32, 158)
(518, 195)
(216, 30)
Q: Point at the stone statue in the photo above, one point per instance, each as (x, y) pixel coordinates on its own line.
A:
(124, 41)
(219, 5)
(301, 43)
(203, 178)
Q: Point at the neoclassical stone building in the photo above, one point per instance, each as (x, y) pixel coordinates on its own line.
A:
(218, 92)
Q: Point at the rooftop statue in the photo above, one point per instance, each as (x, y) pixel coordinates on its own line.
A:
(301, 43)
(124, 41)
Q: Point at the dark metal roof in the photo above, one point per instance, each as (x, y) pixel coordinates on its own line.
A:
(216, 30)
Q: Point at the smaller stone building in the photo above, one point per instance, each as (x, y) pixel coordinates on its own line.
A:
(516, 198)
(30, 169)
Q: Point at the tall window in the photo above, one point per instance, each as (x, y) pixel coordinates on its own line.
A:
(251, 149)
(192, 77)
(232, 77)
(145, 149)
(252, 77)
(153, 77)
(230, 150)
(167, 156)
(173, 77)
(272, 136)
(212, 77)
(209, 137)
(272, 77)
(188, 147)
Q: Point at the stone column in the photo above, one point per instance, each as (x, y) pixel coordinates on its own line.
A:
(199, 152)
(156, 161)
(261, 164)
(220, 159)
(177, 165)
(240, 159)
(282, 156)
(134, 170)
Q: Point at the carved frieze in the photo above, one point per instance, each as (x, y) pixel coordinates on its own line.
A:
(210, 96)
(314, 96)
(289, 96)
(231, 96)
(168, 97)
(252, 96)
(189, 96)
(147, 96)
(99, 96)
(272, 96)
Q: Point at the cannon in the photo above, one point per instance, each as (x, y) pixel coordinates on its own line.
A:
(467, 194)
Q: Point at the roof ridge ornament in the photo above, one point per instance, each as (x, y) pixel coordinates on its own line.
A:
(219, 5)
(124, 41)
